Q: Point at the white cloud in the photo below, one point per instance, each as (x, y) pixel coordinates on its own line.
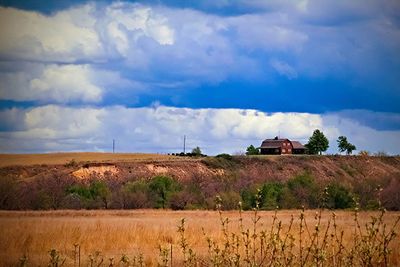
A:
(283, 68)
(65, 36)
(185, 44)
(139, 20)
(65, 82)
(58, 83)
(160, 129)
(165, 45)
(269, 32)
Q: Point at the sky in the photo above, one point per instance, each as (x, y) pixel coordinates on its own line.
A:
(74, 75)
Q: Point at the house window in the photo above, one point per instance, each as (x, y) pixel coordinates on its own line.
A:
(289, 150)
(283, 150)
(284, 144)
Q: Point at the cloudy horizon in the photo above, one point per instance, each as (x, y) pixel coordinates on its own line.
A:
(74, 75)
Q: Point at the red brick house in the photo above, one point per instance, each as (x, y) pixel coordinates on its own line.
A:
(279, 146)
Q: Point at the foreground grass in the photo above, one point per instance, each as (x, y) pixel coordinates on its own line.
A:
(210, 238)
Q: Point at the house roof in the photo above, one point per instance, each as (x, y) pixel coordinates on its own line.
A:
(272, 143)
(277, 143)
(297, 145)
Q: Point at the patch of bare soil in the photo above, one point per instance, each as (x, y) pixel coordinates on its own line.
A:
(99, 171)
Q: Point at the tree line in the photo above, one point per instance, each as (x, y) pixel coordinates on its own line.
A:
(165, 192)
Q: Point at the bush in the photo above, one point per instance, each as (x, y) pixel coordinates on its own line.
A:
(381, 154)
(179, 200)
(338, 197)
(135, 195)
(70, 164)
(289, 200)
(95, 192)
(304, 189)
(224, 156)
(230, 200)
(251, 150)
(219, 163)
(8, 190)
(367, 193)
(390, 195)
(248, 196)
(270, 195)
(196, 151)
(363, 153)
(161, 188)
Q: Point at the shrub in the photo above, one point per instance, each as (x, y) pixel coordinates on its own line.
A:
(179, 200)
(248, 197)
(96, 191)
(381, 154)
(196, 151)
(230, 200)
(135, 195)
(219, 163)
(8, 190)
(390, 195)
(224, 156)
(270, 195)
(251, 150)
(338, 197)
(304, 189)
(70, 164)
(161, 188)
(367, 192)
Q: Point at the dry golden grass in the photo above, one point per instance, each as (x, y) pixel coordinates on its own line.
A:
(129, 232)
(63, 158)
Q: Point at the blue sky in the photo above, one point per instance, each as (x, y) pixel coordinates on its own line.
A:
(77, 74)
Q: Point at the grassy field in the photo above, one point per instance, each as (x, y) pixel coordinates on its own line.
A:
(115, 233)
(63, 158)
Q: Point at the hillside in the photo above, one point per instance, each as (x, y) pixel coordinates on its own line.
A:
(67, 180)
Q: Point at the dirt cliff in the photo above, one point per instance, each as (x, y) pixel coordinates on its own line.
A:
(254, 169)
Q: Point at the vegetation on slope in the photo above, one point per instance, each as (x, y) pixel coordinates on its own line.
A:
(288, 182)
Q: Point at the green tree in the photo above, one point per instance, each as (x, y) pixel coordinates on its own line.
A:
(162, 187)
(344, 145)
(350, 149)
(196, 151)
(317, 143)
(100, 190)
(339, 197)
(97, 190)
(270, 195)
(251, 150)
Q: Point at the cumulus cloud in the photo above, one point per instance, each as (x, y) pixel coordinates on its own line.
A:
(160, 129)
(59, 83)
(172, 47)
(65, 36)
(126, 23)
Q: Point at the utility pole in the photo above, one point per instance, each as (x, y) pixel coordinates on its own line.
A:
(184, 144)
(113, 146)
